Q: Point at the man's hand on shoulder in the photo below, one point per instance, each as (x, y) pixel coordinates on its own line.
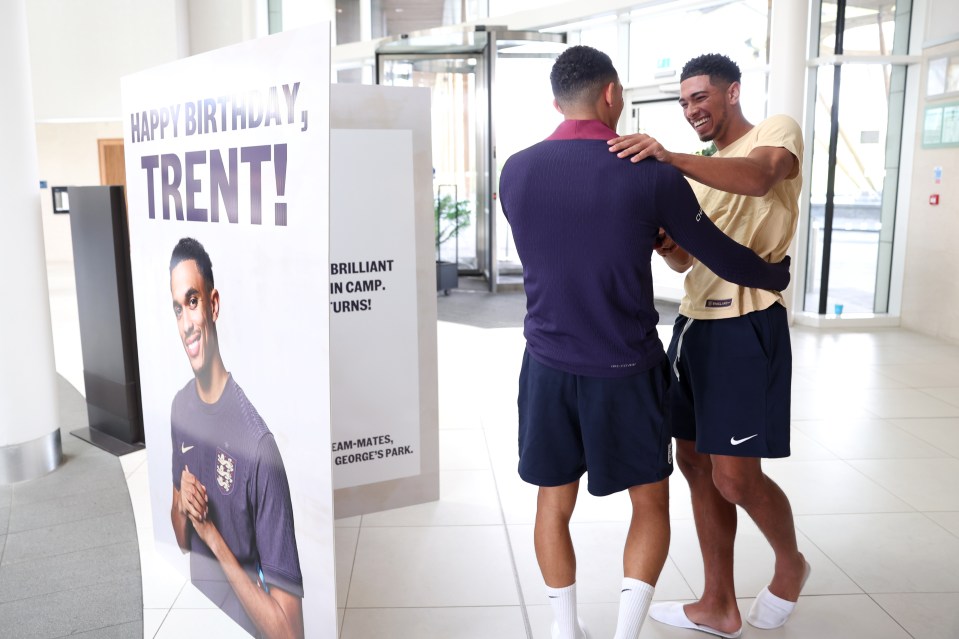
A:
(640, 146)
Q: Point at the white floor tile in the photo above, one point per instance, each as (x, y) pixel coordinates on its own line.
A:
(821, 487)
(942, 433)
(926, 615)
(346, 539)
(888, 553)
(200, 624)
(432, 567)
(906, 402)
(467, 498)
(152, 620)
(463, 449)
(161, 582)
(190, 598)
(831, 403)
(918, 482)
(949, 394)
(936, 374)
(419, 623)
(867, 439)
(805, 448)
(348, 522)
(949, 521)
(132, 461)
(827, 378)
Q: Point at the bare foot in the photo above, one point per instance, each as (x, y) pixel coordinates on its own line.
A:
(724, 618)
(789, 578)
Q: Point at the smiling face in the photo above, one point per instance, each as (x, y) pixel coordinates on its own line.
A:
(196, 311)
(706, 106)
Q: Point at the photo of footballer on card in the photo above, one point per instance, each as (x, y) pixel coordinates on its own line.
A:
(231, 506)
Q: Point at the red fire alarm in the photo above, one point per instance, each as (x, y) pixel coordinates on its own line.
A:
(934, 199)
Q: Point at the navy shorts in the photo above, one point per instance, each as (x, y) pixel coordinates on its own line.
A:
(731, 383)
(614, 428)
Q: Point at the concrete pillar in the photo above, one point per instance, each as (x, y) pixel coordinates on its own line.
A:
(29, 414)
(787, 57)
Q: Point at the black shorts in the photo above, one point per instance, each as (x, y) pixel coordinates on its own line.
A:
(613, 428)
(731, 383)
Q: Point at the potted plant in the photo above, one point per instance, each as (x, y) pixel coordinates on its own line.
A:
(450, 217)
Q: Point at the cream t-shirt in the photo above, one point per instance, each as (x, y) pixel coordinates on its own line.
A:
(765, 224)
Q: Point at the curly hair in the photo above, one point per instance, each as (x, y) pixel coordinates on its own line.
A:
(190, 249)
(715, 65)
(580, 73)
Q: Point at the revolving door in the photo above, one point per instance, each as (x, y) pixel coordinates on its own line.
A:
(490, 98)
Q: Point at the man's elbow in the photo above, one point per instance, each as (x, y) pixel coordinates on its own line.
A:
(760, 187)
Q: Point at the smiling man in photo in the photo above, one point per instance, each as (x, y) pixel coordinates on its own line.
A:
(231, 507)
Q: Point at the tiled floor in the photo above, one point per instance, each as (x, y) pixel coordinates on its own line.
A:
(872, 481)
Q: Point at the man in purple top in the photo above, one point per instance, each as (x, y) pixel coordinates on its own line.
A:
(231, 501)
(594, 375)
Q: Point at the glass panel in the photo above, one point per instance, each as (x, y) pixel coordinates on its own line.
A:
(817, 186)
(870, 29)
(604, 36)
(505, 7)
(859, 185)
(661, 41)
(523, 116)
(452, 82)
(348, 21)
(395, 17)
(274, 15)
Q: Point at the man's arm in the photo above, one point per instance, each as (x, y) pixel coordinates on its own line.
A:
(277, 613)
(188, 502)
(754, 174)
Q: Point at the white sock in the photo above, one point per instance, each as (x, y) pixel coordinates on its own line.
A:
(563, 601)
(634, 603)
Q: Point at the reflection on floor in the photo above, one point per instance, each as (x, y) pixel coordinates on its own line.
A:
(872, 482)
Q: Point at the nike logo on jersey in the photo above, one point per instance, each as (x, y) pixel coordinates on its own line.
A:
(185, 449)
(737, 442)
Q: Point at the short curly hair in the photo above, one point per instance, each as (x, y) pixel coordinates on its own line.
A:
(580, 73)
(190, 249)
(715, 65)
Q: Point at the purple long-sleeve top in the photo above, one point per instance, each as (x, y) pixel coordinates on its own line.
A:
(584, 223)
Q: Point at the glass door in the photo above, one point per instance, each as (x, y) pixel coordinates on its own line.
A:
(458, 66)
(457, 148)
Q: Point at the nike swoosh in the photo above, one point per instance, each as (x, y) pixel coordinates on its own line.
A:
(185, 449)
(737, 442)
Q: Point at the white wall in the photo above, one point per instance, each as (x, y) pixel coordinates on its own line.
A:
(220, 23)
(79, 51)
(929, 301)
(67, 156)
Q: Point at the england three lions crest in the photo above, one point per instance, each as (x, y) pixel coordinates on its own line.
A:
(225, 472)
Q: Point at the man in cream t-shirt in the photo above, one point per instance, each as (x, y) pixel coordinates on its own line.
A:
(730, 354)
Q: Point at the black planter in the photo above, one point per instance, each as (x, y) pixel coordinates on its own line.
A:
(446, 276)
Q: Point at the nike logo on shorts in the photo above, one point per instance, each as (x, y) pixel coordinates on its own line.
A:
(185, 449)
(737, 442)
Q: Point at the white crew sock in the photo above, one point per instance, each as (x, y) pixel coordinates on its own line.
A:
(634, 603)
(563, 601)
